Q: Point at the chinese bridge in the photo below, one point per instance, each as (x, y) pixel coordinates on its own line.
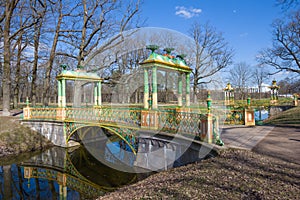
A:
(59, 124)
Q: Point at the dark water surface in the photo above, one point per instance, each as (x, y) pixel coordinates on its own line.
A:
(60, 173)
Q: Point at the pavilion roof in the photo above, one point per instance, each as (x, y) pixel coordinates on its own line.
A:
(167, 62)
(79, 75)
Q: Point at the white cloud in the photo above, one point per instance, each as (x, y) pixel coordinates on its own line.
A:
(187, 13)
(244, 34)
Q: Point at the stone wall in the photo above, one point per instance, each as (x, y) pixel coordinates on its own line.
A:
(53, 131)
(274, 110)
(162, 152)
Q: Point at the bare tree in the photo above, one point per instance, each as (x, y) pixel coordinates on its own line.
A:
(97, 20)
(240, 77)
(259, 76)
(41, 7)
(284, 55)
(212, 54)
(9, 35)
(287, 4)
(20, 46)
(59, 14)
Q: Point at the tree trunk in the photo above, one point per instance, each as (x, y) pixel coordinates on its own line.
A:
(37, 28)
(7, 182)
(47, 80)
(18, 75)
(6, 80)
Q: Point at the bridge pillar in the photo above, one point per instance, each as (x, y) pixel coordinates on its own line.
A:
(295, 99)
(207, 129)
(154, 87)
(61, 93)
(249, 117)
(146, 88)
(61, 114)
(97, 94)
(179, 89)
(188, 89)
(26, 110)
(149, 119)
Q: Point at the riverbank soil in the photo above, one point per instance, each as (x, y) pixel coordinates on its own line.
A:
(263, 167)
(16, 139)
(235, 174)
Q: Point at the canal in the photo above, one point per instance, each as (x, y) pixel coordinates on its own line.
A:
(60, 173)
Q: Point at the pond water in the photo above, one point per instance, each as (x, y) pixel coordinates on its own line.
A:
(261, 114)
(60, 173)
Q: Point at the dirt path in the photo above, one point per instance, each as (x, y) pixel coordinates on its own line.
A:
(276, 141)
(281, 142)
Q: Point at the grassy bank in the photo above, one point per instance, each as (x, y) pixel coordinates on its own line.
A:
(15, 138)
(291, 116)
(235, 174)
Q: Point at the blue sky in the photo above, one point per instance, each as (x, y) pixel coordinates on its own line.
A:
(245, 24)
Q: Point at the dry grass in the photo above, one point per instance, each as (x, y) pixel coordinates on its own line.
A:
(235, 174)
(291, 116)
(15, 138)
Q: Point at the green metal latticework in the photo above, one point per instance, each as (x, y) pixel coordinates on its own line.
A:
(43, 113)
(79, 184)
(235, 116)
(125, 121)
(181, 122)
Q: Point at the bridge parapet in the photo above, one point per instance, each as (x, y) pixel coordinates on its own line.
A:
(182, 121)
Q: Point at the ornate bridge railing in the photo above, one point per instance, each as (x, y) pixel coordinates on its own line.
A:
(125, 116)
(235, 116)
(43, 113)
(182, 121)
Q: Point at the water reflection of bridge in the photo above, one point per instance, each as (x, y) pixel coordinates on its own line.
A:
(76, 171)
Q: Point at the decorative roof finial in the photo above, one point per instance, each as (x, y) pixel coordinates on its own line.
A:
(64, 66)
(152, 47)
(168, 50)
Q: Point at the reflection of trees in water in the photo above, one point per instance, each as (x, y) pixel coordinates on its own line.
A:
(13, 185)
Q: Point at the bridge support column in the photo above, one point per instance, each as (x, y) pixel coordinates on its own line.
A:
(296, 96)
(26, 110)
(97, 94)
(149, 119)
(61, 93)
(59, 103)
(207, 129)
(154, 87)
(249, 117)
(179, 89)
(146, 88)
(60, 113)
(188, 89)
